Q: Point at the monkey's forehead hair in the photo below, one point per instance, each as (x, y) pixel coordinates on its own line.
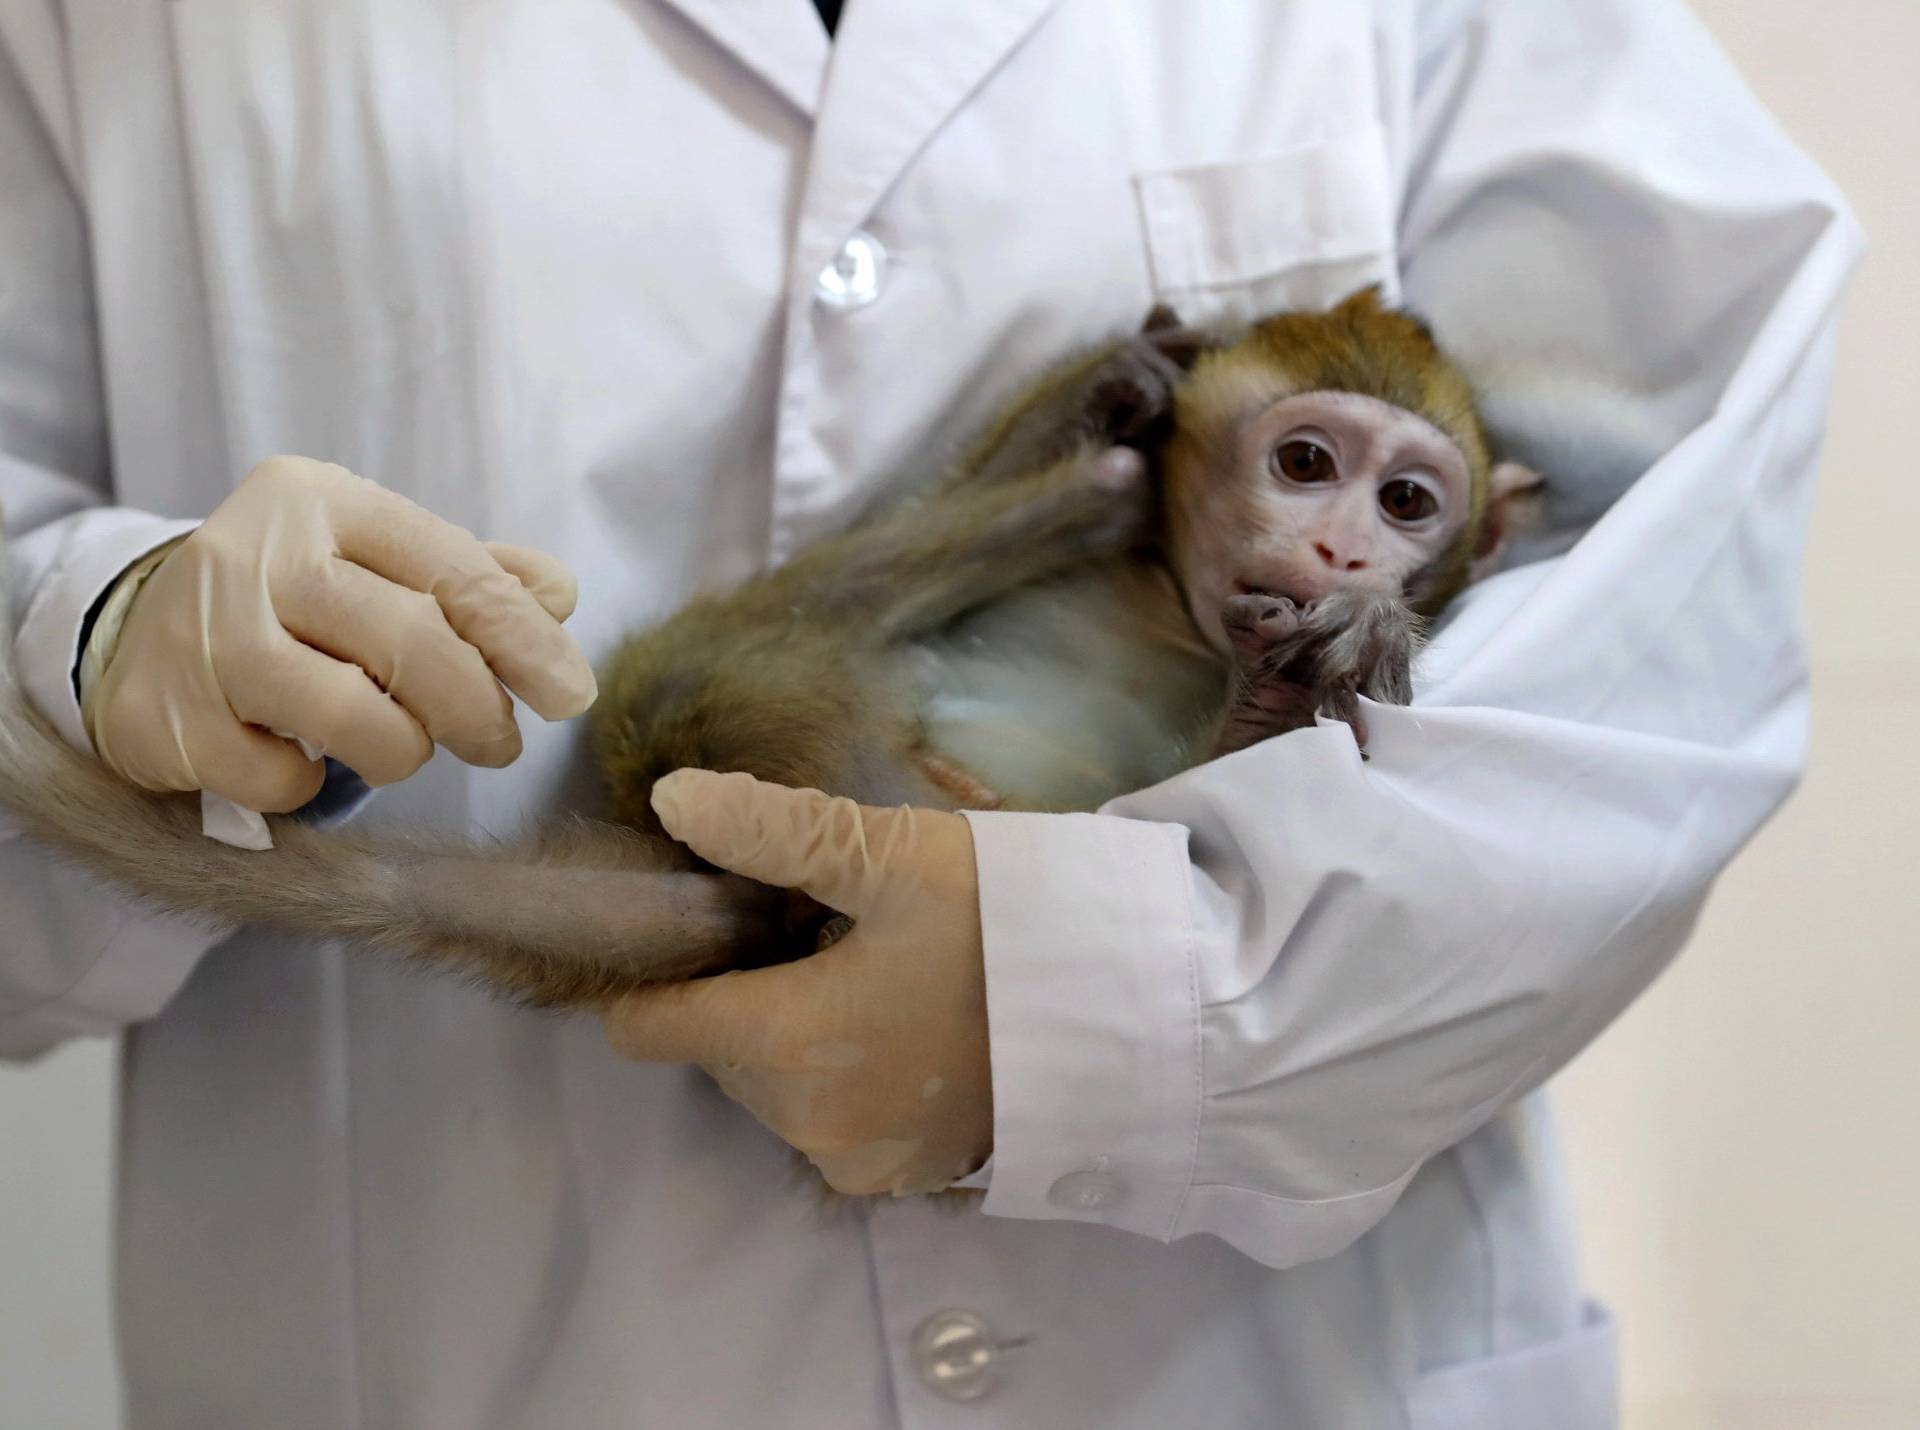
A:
(1359, 346)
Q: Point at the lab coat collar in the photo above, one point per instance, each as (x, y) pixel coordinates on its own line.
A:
(781, 41)
(899, 70)
(894, 73)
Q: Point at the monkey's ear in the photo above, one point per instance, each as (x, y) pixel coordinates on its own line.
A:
(1513, 505)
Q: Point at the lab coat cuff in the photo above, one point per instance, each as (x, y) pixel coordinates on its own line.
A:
(47, 649)
(140, 960)
(1093, 1017)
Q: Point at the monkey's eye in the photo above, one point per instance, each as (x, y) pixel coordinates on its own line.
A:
(1408, 501)
(1302, 461)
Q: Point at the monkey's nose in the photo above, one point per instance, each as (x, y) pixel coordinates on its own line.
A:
(1337, 562)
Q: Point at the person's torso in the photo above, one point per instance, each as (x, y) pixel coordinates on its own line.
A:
(577, 274)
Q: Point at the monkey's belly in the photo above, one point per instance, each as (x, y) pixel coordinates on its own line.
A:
(1064, 695)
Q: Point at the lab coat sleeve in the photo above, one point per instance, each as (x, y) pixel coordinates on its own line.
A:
(74, 959)
(1252, 1000)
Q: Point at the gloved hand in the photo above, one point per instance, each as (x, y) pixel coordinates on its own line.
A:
(870, 1056)
(318, 605)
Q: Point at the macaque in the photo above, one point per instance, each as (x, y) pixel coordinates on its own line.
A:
(1168, 550)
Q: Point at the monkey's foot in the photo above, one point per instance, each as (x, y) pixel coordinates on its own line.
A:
(966, 791)
(1291, 665)
(1123, 398)
(1174, 340)
(1130, 394)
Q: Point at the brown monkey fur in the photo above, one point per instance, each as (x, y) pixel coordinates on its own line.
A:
(1024, 583)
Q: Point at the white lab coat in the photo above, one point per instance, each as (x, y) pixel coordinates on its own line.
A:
(549, 267)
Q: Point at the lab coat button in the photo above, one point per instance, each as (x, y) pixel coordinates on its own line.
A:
(1085, 1191)
(852, 279)
(956, 1355)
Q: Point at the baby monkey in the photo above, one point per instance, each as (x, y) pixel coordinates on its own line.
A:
(1046, 627)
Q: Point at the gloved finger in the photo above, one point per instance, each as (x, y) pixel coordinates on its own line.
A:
(717, 1021)
(831, 848)
(253, 768)
(546, 578)
(885, 1166)
(488, 607)
(332, 705)
(246, 765)
(401, 638)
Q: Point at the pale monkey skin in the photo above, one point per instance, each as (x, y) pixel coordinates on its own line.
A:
(1019, 634)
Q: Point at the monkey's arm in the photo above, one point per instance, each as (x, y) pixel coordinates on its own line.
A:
(1257, 1003)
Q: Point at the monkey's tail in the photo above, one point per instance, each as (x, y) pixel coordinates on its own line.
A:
(571, 915)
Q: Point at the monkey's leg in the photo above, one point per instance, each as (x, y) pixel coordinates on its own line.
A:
(1120, 394)
(755, 682)
(917, 567)
(792, 679)
(1291, 665)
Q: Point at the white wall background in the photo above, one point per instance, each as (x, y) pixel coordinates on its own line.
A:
(1746, 1141)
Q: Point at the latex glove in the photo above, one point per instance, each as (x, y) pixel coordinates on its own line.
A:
(870, 1056)
(317, 605)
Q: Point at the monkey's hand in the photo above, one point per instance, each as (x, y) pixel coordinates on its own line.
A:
(1291, 664)
(869, 1057)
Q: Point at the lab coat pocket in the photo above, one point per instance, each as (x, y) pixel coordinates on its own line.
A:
(1299, 228)
(1569, 1384)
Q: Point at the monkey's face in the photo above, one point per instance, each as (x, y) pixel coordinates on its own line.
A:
(1316, 492)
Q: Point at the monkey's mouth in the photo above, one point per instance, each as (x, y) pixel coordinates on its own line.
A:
(1247, 588)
